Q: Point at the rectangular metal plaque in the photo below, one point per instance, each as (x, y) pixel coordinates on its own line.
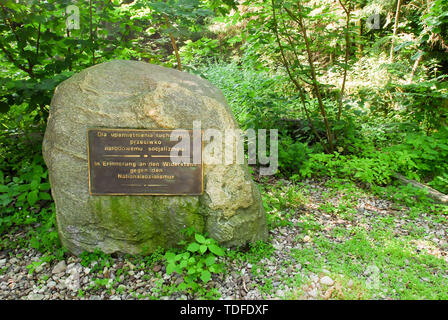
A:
(138, 162)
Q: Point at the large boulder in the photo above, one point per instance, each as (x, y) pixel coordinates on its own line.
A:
(131, 94)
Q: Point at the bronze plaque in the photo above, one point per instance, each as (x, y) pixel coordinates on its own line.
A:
(138, 162)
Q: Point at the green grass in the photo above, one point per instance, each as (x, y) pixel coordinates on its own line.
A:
(383, 260)
(383, 255)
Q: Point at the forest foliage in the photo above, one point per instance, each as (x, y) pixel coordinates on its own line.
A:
(355, 92)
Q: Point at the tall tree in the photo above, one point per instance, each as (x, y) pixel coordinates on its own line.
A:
(397, 16)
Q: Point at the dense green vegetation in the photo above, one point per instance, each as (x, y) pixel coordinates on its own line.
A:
(354, 106)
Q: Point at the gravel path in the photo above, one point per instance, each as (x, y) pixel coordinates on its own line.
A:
(272, 276)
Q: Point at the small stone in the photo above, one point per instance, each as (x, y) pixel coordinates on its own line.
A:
(70, 267)
(327, 281)
(157, 268)
(313, 293)
(278, 246)
(59, 268)
(40, 267)
(121, 287)
(35, 296)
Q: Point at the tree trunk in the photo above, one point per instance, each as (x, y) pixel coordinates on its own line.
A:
(415, 67)
(432, 193)
(173, 43)
(397, 15)
(91, 33)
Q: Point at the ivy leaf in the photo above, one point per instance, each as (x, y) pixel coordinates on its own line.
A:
(182, 264)
(206, 276)
(182, 286)
(184, 255)
(199, 238)
(34, 184)
(170, 268)
(34, 243)
(210, 260)
(44, 186)
(32, 197)
(44, 196)
(179, 256)
(191, 271)
(216, 268)
(170, 256)
(193, 247)
(216, 250)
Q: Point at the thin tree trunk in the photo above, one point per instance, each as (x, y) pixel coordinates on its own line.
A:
(316, 85)
(347, 11)
(291, 77)
(38, 35)
(176, 52)
(361, 30)
(69, 51)
(397, 15)
(415, 67)
(91, 33)
(173, 43)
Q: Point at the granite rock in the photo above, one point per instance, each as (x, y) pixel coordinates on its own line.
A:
(132, 94)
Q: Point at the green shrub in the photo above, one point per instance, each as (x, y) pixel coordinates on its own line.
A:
(292, 155)
(257, 98)
(96, 260)
(195, 262)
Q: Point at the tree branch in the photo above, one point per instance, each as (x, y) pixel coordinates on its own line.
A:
(296, 55)
(92, 40)
(38, 37)
(29, 70)
(347, 52)
(13, 61)
(397, 15)
(316, 86)
(173, 43)
(294, 81)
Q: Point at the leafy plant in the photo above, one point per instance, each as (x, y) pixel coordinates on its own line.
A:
(196, 262)
(96, 260)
